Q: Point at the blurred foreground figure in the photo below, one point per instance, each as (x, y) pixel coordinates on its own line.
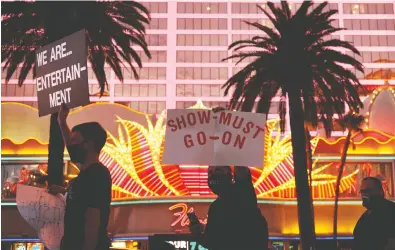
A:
(88, 197)
(375, 230)
(234, 219)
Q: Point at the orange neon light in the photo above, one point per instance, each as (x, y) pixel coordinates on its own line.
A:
(21, 143)
(81, 108)
(134, 159)
(181, 215)
(390, 138)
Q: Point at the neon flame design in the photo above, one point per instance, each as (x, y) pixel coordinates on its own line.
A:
(134, 160)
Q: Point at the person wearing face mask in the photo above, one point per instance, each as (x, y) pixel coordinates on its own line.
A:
(88, 197)
(234, 219)
(375, 229)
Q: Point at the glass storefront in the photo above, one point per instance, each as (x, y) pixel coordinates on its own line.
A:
(32, 174)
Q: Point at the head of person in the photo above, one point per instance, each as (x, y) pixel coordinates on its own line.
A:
(87, 141)
(372, 192)
(219, 179)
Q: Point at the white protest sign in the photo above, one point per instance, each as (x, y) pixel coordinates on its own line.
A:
(44, 212)
(202, 137)
(62, 74)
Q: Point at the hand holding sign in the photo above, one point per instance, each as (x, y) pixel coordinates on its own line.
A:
(62, 75)
(202, 137)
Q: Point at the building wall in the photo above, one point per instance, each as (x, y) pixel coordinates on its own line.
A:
(188, 41)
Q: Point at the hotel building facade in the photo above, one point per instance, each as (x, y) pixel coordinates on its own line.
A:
(188, 41)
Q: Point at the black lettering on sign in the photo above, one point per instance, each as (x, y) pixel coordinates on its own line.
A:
(62, 74)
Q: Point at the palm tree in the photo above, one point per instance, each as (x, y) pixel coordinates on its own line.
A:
(111, 29)
(353, 123)
(293, 59)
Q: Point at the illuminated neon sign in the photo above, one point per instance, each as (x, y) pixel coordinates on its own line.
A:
(180, 211)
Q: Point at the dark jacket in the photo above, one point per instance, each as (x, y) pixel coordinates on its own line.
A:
(235, 221)
(375, 227)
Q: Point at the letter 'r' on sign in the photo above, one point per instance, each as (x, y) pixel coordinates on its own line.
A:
(62, 74)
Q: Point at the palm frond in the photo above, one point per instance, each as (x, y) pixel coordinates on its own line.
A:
(111, 30)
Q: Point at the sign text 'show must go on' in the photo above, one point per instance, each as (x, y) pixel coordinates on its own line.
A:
(202, 137)
(62, 74)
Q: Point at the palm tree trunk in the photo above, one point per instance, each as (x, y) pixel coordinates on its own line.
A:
(338, 180)
(55, 153)
(305, 205)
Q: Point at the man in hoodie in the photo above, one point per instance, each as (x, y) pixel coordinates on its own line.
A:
(234, 219)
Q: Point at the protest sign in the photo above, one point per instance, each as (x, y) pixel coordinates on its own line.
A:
(44, 212)
(62, 74)
(202, 137)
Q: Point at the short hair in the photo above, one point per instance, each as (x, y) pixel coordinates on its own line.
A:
(92, 131)
(376, 182)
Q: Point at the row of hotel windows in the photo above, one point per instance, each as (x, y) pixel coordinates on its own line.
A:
(237, 8)
(191, 56)
(213, 73)
(376, 40)
(199, 73)
(369, 24)
(369, 74)
(241, 24)
(221, 73)
(129, 90)
(222, 40)
(252, 8)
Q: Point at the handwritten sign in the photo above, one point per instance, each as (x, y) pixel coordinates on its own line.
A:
(62, 74)
(44, 212)
(202, 137)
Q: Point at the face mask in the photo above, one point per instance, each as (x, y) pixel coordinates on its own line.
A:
(219, 183)
(77, 153)
(370, 202)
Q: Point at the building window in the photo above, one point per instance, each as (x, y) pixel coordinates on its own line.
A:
(199, 90)
(92, 76)
(202, 40)
(202, 24)
(156, 39)
(201, 8)
(369, 24)
(189, 56)
(148, 107)
(140, 90)
(240, 23)
(16, 74)
(156, 7)
(248, 8)
(239, 37)
(206, 73)
(157, 24)
(368, 8)
(185, 105)
(156, 56)
(147, 73)
(28, 90)
(375, 57)
(13, 174)
(373, 40)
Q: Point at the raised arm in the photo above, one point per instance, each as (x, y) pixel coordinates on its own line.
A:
(244, 186)
(62, 120)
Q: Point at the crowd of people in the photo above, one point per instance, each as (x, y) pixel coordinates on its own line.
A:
(234, 219)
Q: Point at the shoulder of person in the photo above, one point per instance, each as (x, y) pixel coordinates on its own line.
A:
(98, 170)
